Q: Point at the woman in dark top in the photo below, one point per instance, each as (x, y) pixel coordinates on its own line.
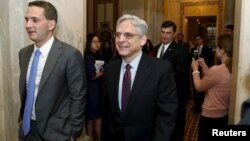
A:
(94, 87)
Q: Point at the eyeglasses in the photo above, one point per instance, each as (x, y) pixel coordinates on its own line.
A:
(127, 35)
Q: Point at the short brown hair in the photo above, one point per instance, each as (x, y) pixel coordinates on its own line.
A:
(50, 11)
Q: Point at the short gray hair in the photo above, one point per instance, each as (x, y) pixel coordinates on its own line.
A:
(139, 24)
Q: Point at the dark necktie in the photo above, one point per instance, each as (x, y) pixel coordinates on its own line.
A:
(162, 51)
(30, 94)
(126, 88)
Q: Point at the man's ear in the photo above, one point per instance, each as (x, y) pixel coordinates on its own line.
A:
(143, 40)
(52, 24)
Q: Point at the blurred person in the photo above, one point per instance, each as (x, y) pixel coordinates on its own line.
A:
(229, 29)
(52, 81)
(148, 48)
(107, 52)
(177, 55)
(216, 85)
(245, 107)
(94, 87)
(140, 98)
(245, 113)
(180, 41)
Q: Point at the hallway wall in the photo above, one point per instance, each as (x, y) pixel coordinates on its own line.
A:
(13, 37)
(240, 89)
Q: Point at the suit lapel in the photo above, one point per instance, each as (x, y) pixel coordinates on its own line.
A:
(143, 71)
(115, 84)
(169, 50)
(25, 64)
(157, 48)
(51, 61)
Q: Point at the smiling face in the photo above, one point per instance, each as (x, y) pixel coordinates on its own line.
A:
(38, 27)
(128, 41)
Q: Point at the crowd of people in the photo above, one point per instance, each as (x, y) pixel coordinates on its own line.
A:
(126, 90)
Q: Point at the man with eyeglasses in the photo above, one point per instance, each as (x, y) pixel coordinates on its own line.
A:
(177, 55)
(140, 99)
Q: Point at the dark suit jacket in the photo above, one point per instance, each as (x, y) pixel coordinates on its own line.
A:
(151, 111)
(177, 55)
(206, 54)
(60, 100)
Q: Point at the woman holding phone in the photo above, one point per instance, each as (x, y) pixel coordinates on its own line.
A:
(216, 84)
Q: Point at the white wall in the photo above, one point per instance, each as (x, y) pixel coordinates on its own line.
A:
(241, 70)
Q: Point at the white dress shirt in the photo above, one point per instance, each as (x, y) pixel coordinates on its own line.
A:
(134, 65)
(165, 48)
(199, 48)
(42, 60)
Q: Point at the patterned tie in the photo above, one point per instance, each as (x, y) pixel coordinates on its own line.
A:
(126, 88)
(30, 94)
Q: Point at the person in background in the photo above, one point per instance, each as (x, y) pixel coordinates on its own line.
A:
(94, 87)
(206, 53)
(52, 81)
(148, 48)
(216, 85)
(245, 113)
(229, 29)
(245, 107)
(180, 41)
(140, 100)
(107, 52)
(177, 55)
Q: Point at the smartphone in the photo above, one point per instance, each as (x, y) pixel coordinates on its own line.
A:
(196, 54)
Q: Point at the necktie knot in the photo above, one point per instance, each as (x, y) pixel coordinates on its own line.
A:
(128, 67)
(37, 53)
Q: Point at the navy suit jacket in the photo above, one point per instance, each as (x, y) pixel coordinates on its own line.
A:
(152, 105)
(61, 95)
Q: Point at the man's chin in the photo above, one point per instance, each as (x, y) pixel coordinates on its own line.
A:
(122, 53)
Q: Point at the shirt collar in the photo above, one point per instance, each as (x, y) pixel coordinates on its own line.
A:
(134, 63)
(46, 47)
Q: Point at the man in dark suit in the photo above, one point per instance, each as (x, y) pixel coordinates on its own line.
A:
(176, 54)
(180, 41)
(140, 98)
(206, 53)
(53, 96)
